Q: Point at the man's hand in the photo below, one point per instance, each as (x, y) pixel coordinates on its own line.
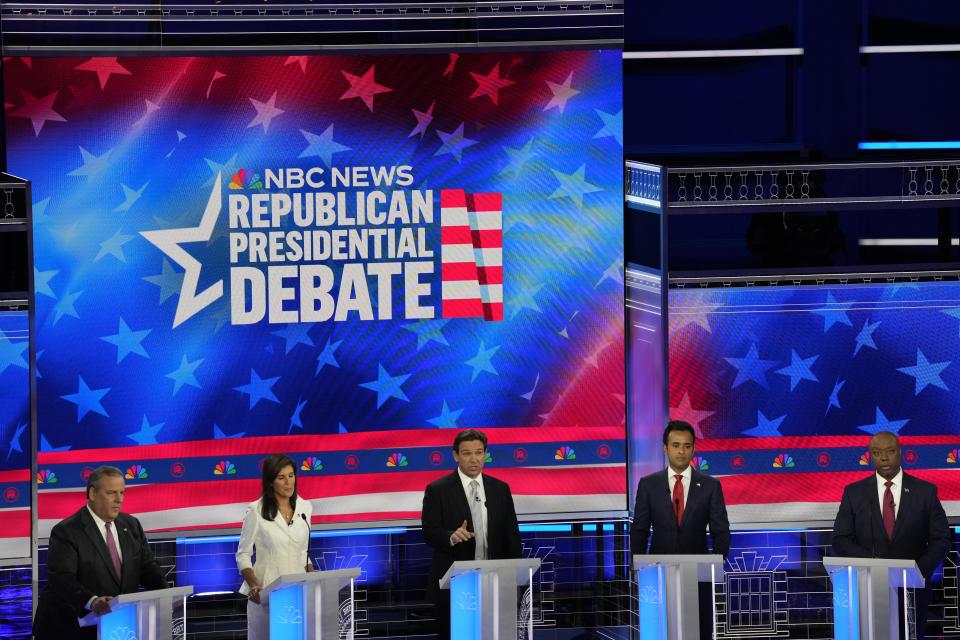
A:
(254, 595)
(461, 534)
(101, 605)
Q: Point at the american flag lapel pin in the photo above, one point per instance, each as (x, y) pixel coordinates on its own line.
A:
(698, 484)
(907, 490)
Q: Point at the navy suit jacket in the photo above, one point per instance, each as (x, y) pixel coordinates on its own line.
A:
(445, 507)
(704, 506)
(920, 533)
(79, 567)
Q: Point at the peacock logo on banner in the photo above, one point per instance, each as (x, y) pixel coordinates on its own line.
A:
(312, 245)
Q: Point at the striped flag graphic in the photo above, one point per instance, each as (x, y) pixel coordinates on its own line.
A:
(472, 254)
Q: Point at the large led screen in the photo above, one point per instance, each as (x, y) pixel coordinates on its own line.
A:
(345, 258)
(14, 435)
(785, 386)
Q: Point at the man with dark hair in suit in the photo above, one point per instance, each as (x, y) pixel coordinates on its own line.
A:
(679, 504)
(892, 515)
(95, 554)
(467, 515)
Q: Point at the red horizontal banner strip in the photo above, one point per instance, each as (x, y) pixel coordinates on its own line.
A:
(487, 239)
(813, 442)
(455, 235)
(453, 198)
(327, 442)
(490, 275)
(15, 475)
(819, 486)
(458, 271)
(15, 523)
(462, 308)
(160, 497)
(484, 202)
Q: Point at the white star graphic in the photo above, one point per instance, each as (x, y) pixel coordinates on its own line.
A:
(561, 93)
(168, 240)
(266, 112)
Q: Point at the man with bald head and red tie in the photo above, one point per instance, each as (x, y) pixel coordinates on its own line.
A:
(893, 515)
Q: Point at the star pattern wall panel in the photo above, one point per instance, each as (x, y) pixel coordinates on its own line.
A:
(14, 435)
(347, 258)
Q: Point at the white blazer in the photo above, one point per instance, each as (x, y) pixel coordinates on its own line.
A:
(280, 548)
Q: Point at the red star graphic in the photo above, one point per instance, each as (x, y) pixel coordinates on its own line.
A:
(104, 68)
(694, 416)
(38, 110)
(490, 84)
(301, 60)
(453, 62)
(216, 76)
(424, 118)
(26, 61)
(363, 87)
(81, 97)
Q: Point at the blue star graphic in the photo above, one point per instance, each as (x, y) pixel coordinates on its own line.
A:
(953, 313)
(127, 341)
(751, 367)
(454, 143)
(428, 330)
(294, 334)
(447, 419)
(835, 395)
(833, 313)
(217, 168)
(40, 211)
(573, 185)
(799, 369)
(92, 165)
(184, 374)
(295, 420)
(147, 433)
(218, 434)
(612, 125)
(41, 282)
(15, 441)
(387, 386)
(322, 146)
(64, 306)
(258, 388)
(11, 353)
(926, 373)
(130, 196)
(327, 356)
(45, 445)
(341, 428)
(882, 424)
(518, 157)
(524, 298)
(114, 246)
(87, 399)
(168, 280)
(481, 361)
(865, 337)
(766, 428)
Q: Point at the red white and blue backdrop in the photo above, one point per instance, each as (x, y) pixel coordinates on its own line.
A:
(14, 435)
(785, 386)
(344, 258)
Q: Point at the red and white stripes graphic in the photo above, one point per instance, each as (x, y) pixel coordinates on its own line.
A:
(471, 227)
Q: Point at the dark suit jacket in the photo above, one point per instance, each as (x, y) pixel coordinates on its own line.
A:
(704, 505)
(79, 567)
(920, 533)
(445, 508)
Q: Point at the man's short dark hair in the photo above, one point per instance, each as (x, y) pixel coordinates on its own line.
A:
(467, 435)
(93, 480)
(678, 425)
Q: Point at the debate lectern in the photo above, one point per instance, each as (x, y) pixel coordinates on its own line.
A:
(146, 615)
(483, 598)
(865, 603)
(307, 606)
(668, 595)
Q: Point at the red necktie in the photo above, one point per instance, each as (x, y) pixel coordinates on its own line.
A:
(112, 548)
(678, 498)
(889, 516)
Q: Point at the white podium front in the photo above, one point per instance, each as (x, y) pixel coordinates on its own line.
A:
(865, 603)
(669, 598)
(307, 606)
(146, 615)
(483, 598)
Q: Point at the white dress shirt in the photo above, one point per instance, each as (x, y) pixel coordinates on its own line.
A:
(466, 480)
(895, 489)
(687, 478)
(97, 520)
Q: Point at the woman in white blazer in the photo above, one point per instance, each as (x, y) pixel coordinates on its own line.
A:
(277, 527)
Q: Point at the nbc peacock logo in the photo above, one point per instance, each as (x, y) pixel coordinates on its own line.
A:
(46, 476)
(783, 461)
(397, 460)
(489, 458)
(136, 472)
(565, 452)
(700, 464)
(224, 468)
(242, 180)
(311, 464)
(865, 459)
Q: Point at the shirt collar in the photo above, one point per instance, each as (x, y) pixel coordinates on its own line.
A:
(100, 522)
(465, 480)
(897, 479)
(687, 473)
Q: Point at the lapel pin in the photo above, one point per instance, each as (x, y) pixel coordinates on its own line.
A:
(698, 484)
(907, 490)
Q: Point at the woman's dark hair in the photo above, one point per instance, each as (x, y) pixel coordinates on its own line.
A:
(272, 466)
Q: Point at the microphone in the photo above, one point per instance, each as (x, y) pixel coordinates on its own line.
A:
(476, 499)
